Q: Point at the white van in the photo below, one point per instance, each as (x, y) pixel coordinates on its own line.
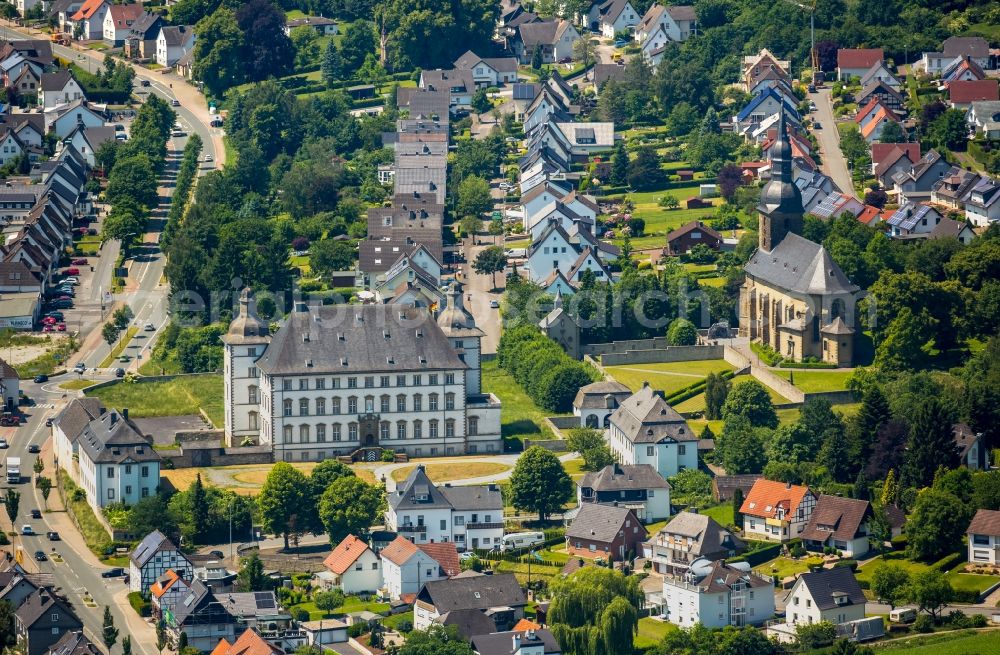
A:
(521, 540)
(903, 615)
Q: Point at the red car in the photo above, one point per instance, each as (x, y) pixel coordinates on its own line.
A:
(71, 271)
(80, 262)
(48, 328)
(49, 320)
(61, 327)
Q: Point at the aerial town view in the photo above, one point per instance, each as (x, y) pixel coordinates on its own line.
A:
(500, 327)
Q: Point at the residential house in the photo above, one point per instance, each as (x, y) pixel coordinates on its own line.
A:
(613, 532)
(962, 93)
(118, 464)
(763, 64)
(88, 22)
(611, 17)
(58, 88)
(588, 138)
(984, 118)
(689, 235)
(62, 119)
(832, 595)
(459, 84)
(689, 537)
(637, 487)
(836, 205)
(74, 643)
(185, 65)
(776, 511)
(870, 216)
(41, 621)
(717, 594)
(542, 196)
(11, 147)
(118, 22)
(969, 444)
(204, 618)
(62, 11)
(954, 189)
(554, 38)
(499, 597)
(872, 129)
(889, 96)
(913, 220)
(974, 47)
(16, 585)
(879, 72)
(676, 23)
(152, 558)
(322, 26)
(595, 402)
(570, 252)
(407, 567)
(839, 523)
(88, 141)
(984, 537)
(890, 158)
(962, 69)
(355, 567)
(141, 40)
(915, 184)
(172, 43)
(469, 516)
(764, 105)
(855, 62)
(533, 641)
(169, 590)
(646, 430)
(559, 213)
(492, 71)
(982, 207)
(522, 95)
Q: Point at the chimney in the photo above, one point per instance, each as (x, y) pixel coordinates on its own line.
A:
(788, 485)
(125, 413)
(113, 418)
(516, 639)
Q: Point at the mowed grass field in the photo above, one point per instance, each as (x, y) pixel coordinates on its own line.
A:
(667, 376)
(520, 417)
(967, 642)
(812, 381)
(448, 471)
(697, 403)
(660, 219)
(177, 397)
(243, 479)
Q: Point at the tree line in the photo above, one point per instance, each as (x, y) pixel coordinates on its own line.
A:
(543, 369)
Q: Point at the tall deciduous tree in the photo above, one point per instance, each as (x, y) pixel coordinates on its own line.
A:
(216, 54)
(539, 483)
(936, 525)
(473, 196)
(592, 447)
(282, 499)
(751, 401)
(741, 447)
(490, 261)
(889, 583)
(930, 591)
(350, 506)
(267, 51)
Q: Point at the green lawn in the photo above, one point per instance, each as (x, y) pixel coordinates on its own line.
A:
(119, 347)
(652, 632)
(661, 220)
(521, 418)
(74, 385)
(182, 395)
(697, 403)
(968, 642)
(721, 514)
(958, 579)
(782, 567)
(351, 604)
(811, 381)
(668, 376)
(94, 534)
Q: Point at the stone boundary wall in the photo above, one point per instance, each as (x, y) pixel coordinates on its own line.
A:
(555, 445)
(661, 355)
(559, 424)
(202, 455)
(779, 384)
(622, 346)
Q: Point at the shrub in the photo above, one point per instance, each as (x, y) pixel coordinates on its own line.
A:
(924, 623)
(309, 286)
(797, 550)
(814, 562)
(958, 619)
(406, 625)
(355, 630)
(301, 615)
(978, 621)
(139, 604)
(849, 563)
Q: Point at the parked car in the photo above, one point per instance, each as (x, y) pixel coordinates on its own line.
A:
(27, 530)
(116, 572)
(61, 327)
(56, 315)
(817, 126)
(79, 262)
(41, 378)
(36, 513)
(494, 304)
(566, 60)
(53, 536)
(49, 320)
(71, 271)
(40, 556)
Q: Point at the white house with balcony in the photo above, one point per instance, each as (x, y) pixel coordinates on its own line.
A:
(984, 537)
(646, 430)
(470, 516)
(716, 595)
(776, 511)
(688, 538)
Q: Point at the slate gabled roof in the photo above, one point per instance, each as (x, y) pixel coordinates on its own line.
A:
(840, 517)
(620, 477)
(797, 264)
(645, 417)
(790, 111)
(416, 492)
(473, 497)
(986, 521)
(706, 535)
(826, 584)
(151, 544)
(601, 523)
(479, 592)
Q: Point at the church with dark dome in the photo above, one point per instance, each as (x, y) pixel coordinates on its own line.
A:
(795, 298)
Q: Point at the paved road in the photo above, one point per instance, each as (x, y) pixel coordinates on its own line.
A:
(80, 570)
(480, 289)
(834, 164)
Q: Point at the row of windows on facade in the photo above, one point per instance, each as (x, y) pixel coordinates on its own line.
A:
(128, 492)
(307, 455)
(459, 520)
(385, 430)
(367, 381)
(650, 450)
(336, 407)
(143, 471)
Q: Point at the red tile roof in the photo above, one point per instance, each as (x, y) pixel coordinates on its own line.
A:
(872, 105)
(399, 551)
(869, 215)
(767, 496)
(125, 15)
(88, 9)
(882, 150)
(159, 589)
(345, 554)
(524, 625)
(882, 115)
(444, 554)
(249, 643)
(966, 91)
(859, 57)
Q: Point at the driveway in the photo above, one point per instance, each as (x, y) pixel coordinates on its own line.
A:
(834, 164)
(479, 292)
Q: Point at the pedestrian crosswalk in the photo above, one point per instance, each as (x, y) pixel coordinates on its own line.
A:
(45, 405)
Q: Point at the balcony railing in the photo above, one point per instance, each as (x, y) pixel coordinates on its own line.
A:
(412, 528)
(483, 526)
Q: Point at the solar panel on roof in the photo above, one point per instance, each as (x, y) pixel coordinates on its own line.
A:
(264, 600)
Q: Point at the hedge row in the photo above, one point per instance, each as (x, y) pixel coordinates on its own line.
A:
(692, 390)
(788, 364)
(139, 604)
(182, 189)
(549, 376)
(758, 557)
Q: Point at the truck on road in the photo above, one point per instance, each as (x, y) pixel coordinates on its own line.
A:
(13, 470)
